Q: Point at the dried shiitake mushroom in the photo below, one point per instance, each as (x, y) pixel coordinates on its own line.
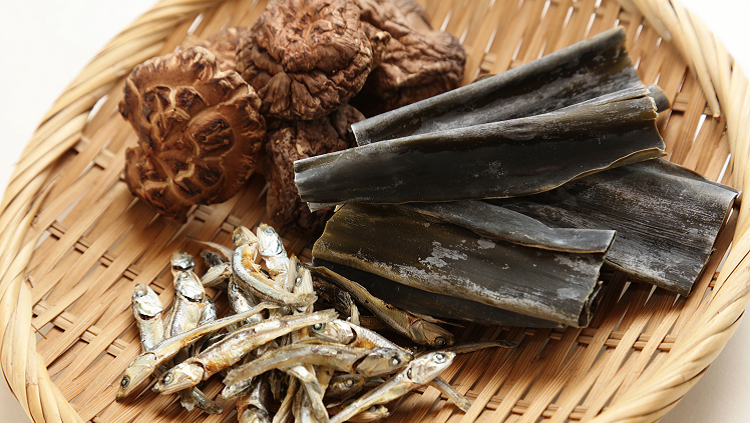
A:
(305, 58)
(199, 131)
(224, 46)
(293, 140)
(419, 62)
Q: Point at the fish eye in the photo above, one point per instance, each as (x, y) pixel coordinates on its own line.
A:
(349, 383)
(318, 326)
(125, 381)
(440, 341)
(439, 358)
(395, 361)
(167, 379)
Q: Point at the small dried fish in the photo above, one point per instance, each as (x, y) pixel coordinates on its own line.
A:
(147, 309)
(366, 361)
(419, 372)
(147, 362)
(231, 349)
(418, 330)
(251, 408)
(345, 386)
(272, 250)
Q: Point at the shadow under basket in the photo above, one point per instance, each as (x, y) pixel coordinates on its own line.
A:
(75, 241)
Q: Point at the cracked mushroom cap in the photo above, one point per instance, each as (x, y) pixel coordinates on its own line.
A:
(199, 131)
(419, 61)
(305, 58)
(224, 46)
(295, 140)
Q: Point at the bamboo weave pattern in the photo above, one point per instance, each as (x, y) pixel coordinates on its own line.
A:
(74, 241)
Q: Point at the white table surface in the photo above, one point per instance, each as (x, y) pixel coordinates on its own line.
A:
(47, 42)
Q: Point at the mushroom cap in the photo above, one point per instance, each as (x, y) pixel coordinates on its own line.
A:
(294, 140)
(199, 131)
(224, 46)
(419, 61)
(305, 58)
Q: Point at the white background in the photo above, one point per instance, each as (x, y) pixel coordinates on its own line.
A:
(47, 42)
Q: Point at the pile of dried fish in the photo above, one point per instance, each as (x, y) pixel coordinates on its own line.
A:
(499, 202)
(282, 356)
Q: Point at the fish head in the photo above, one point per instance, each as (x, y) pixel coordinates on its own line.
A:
(374, 413)
(136, 374)
(429, 366)
(384, 361)
(254, 415)
(243, 236)
(146, 304)
(270, 241)
(426, 333)
(343, 385)
(334, 331)
(182, 262)
(189, 286)
(179, 377)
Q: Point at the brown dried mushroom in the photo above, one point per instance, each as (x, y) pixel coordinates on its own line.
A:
(199, 131)
(305, 58)
(294, 140)
(420, 62)
(224, 46)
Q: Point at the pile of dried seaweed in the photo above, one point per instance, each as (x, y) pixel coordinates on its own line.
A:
(500, 202)
(282, 353)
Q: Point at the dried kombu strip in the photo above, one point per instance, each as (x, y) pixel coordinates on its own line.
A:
(667, 217)
(495, 222)
(582, 71)
(494, 160)
(398, 244)
(436, 305)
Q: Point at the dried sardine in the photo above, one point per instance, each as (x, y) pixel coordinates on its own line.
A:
(582, 71)
(403, 322)
(420, 371)
(232, 348)
(147, 362)
(367, 361)
(667, 217)
(493, 160)
(400, 245)
(147, 309)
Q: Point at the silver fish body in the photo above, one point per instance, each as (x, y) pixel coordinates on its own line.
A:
(419, 372)
(147, 310)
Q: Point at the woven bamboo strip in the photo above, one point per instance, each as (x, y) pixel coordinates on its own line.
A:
(567, 362)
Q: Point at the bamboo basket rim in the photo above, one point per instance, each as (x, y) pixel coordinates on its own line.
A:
(724, 85)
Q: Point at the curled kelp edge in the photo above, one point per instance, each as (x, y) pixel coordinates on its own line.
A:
(436, 305)
(495, 222)
(683, 211)
(575, 73)
(398, 244)
(464, 163)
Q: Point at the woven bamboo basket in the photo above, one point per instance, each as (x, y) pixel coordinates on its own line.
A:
(74, 241)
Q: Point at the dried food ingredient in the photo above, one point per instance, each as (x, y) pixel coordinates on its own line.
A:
(224, 46)
(306, 58)
(290, 141)
(199, 131)
(493, 160)
(398, 244)
(582, 71)
(667, 218)
(419, 62)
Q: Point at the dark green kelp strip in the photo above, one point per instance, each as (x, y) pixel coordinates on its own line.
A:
(400, 245)
(667, 217)
(418, 301)
(495, 160)
(582, 71)
(495, 222)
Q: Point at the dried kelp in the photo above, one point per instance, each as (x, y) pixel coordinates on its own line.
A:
(428, 303)
(667, 217)
(582, 71)
(400, 245)
(495, 160)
